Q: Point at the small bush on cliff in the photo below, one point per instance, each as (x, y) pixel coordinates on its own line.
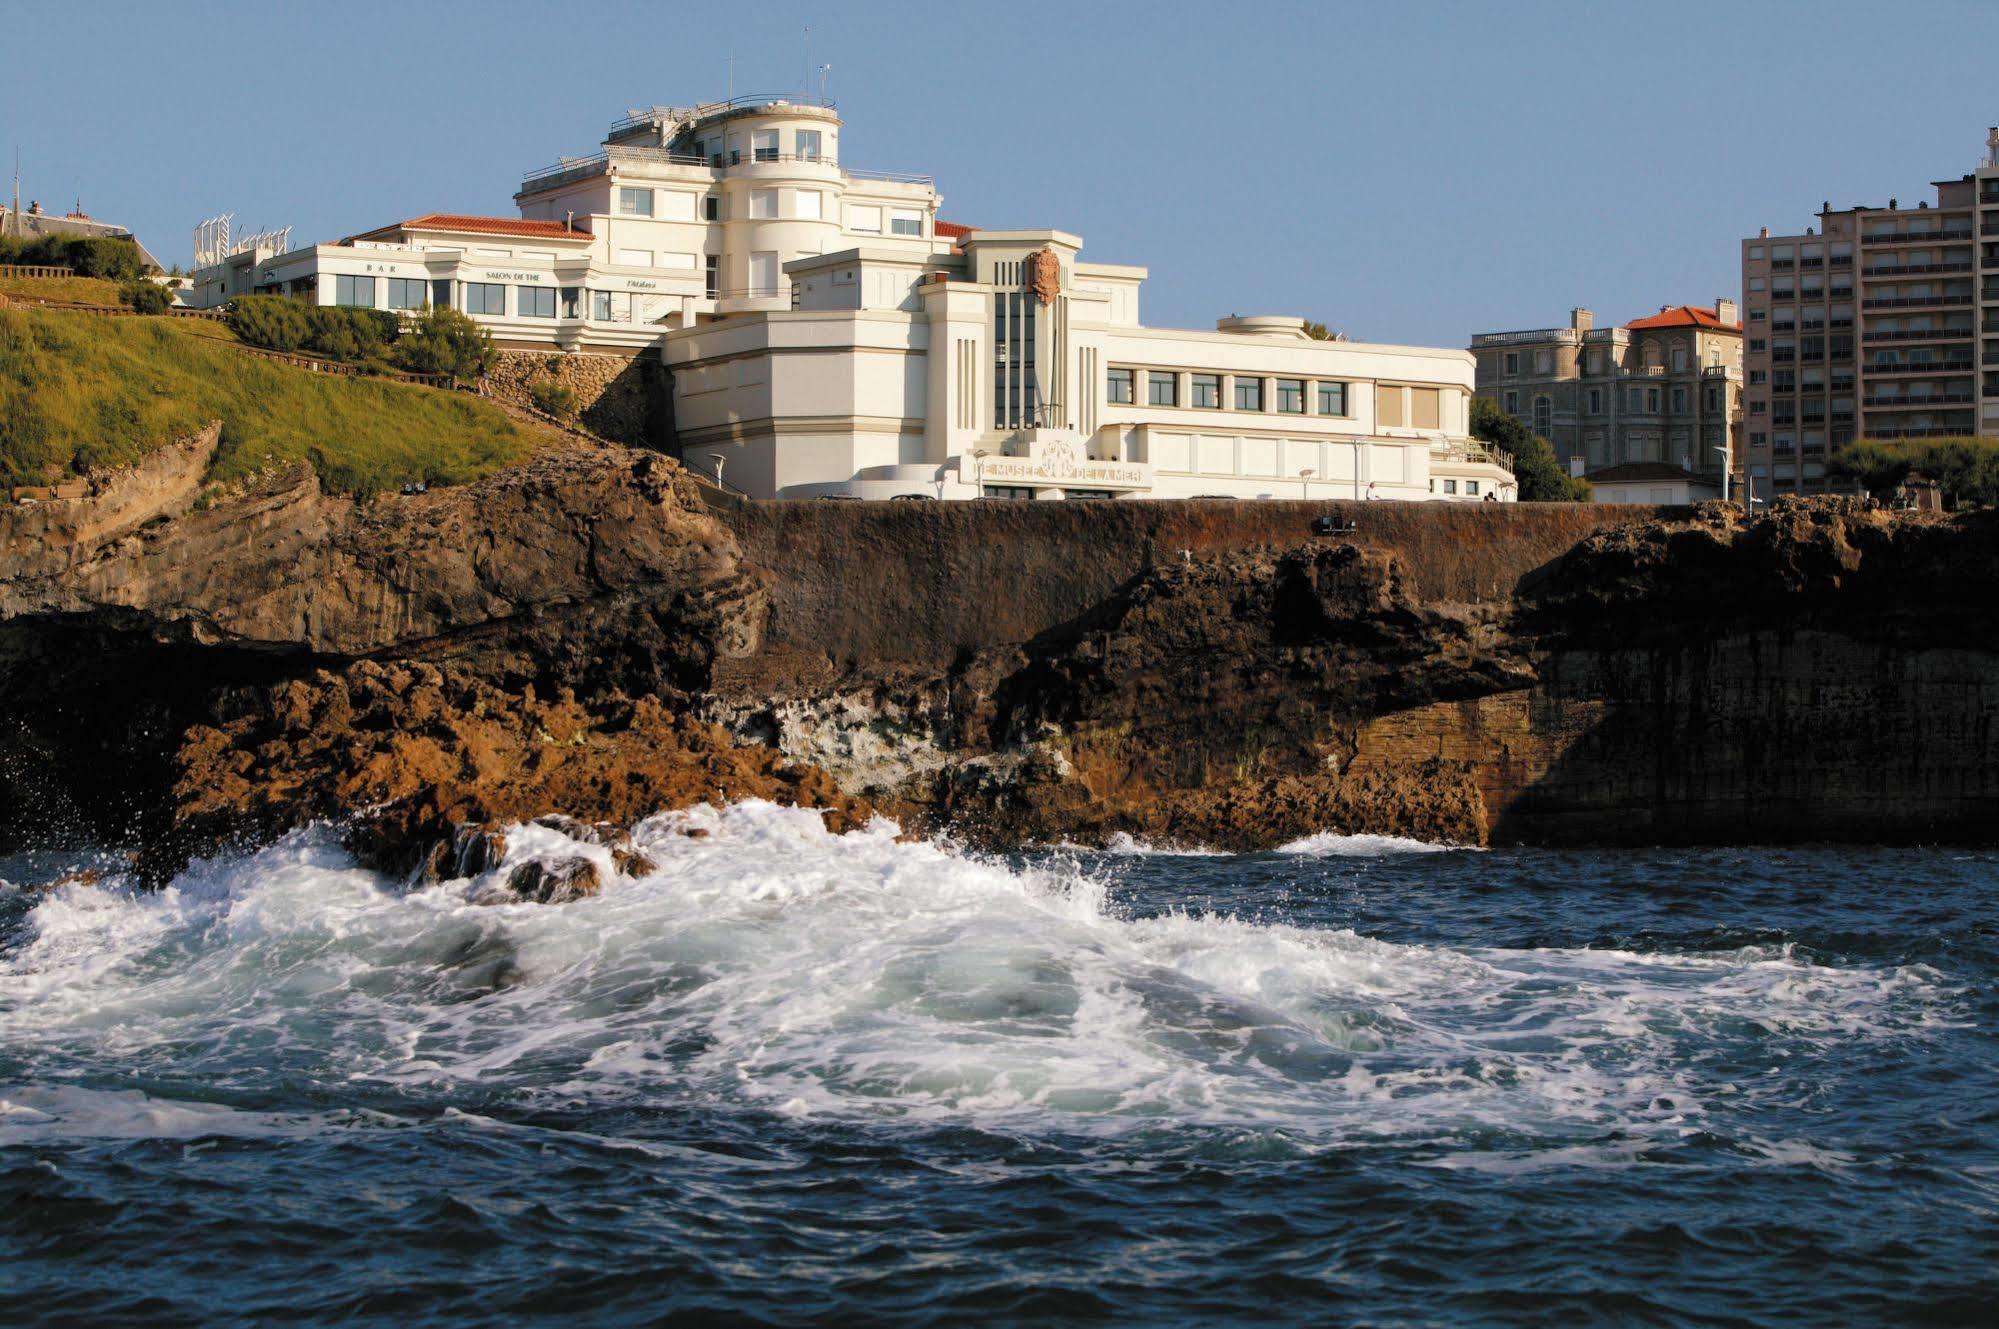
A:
(270, 321)
(553, 398)
(336, 332)
(1966, 469)
(146, 297)
(443, 341)
(78, 392)
(1541, 477)
(100, 256)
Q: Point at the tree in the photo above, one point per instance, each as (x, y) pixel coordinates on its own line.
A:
(1539, 474)
(1966, 470)
(273, 322)
(145, 296)
(1317, 331)
(443, 341)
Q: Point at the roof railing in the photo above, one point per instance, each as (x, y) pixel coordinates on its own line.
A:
(636, 117)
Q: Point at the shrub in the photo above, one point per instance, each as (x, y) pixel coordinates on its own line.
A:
(146, 297)
(1540, 475)
(443, 341)
(1966, 469)
(553, 398)
(270, 321)
(103, 256)
(341, 333)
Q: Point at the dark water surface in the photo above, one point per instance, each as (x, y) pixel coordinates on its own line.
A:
(790, 1078)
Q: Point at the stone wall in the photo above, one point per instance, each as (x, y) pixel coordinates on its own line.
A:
(618, 398)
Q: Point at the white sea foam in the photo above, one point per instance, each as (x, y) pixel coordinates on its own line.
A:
(1330, 844)
(767, 963)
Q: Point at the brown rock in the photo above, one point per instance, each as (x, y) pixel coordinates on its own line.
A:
(555, 883)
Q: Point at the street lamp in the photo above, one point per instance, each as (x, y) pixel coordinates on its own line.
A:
(978, 456)
(1305, 482)
(1727, 466)
(720, 461)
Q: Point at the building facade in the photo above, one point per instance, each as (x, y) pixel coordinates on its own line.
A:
(828, 336)
(1659, 391)
(1877, 323)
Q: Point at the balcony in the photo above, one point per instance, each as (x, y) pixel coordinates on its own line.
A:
(1919, 237)
(1841, 260)
(1922, 431)
(1782, 264)
(1928, 366)
(1912, 403)
(1913, 301)
(1916, 269)
(1783, 357)
(1918, 334)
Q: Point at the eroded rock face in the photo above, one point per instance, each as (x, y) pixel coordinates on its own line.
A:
(414, 757)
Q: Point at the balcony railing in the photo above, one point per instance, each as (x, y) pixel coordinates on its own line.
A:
(1927, 366)
(1925, 431)
(1840, 260)
(1916, 269)
(1913, 301)
(1782, 264)
(1919, 237)
(1917, 403)
(582, 168)
(1917, 334)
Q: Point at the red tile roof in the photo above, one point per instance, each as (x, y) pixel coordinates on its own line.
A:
(953, 231)
(1684, 316)
(452, 221)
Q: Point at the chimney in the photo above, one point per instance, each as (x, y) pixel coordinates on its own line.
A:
(1724, 309)
(1992, 146)
(1763, 234)
(1582, 320)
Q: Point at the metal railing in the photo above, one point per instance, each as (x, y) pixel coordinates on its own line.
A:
(1918, 237)
(1914, 301)
(1916, 334)
(1902, 269)
(1917, 403)
(1923, 367)
(636, 118)
(583, 168)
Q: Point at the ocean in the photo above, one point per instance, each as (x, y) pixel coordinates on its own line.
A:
(792, 1078)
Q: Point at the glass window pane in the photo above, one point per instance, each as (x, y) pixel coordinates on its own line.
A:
(1162, 389)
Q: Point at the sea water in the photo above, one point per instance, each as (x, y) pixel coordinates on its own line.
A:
(789, 1077)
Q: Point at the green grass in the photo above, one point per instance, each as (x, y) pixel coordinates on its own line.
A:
(74, 290)
(79, 392)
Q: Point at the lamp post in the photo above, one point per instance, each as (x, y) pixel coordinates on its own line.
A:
(1727, 466)
(720, 461)
(978, 456)
(1305, 482)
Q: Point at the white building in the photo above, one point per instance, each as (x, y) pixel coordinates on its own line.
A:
(829, 336)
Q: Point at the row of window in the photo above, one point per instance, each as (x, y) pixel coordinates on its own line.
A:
(1162, 388)
(765, 145)
(1636, 400)
(763, 205)
(1681, 360)
(1787, 253)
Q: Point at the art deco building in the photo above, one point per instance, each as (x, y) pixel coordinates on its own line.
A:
(1879, 323)
(1658, 392)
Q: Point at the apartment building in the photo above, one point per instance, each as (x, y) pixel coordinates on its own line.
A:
(1659, 391)
(1877, 323)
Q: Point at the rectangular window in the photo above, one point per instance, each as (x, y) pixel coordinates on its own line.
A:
(763, 273)
(864, 220)
(807, 205)
(763, 204)
(763, 145)
(806, 142)
(634, 202)
(1332, 399)
(1388, 406)
(714, 274)
(485, 298)
(1162, 389)
(358, 292)
(1117, 387)
(572, 302)
(711, 208)
(1450, 486)
(903, 222)
(1510, 403)
(1471, 487)
(1248, 393)
(635, 258)
(1596, 401)
(1205, 390)
(440, 293)
(1291, 396)
(1513, 362)
(1426, 408)
(600, 306)
(1652, 399)
(1679, 401)
(534, 301)
(408, 292)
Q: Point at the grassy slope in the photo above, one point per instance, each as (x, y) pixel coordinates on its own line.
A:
(74, 290)
(78, 392)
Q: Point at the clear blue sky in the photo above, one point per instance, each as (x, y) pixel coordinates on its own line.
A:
(1405, 171)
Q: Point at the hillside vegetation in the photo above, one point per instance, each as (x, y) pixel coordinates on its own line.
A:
(79, 392)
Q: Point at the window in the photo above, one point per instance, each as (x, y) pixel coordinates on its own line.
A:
(1755, 283)
(1596, 401)
(807, 205)
(1291, 396)
(408, 293)
(534, 301)
(440, 293)
(1450, 486)
(1756, 253)
(904, 222)
(1544, 416)
(635, 258)
(763, 204)
(806, 144)
(711, 208)
(1332, 399)
(1162, 389)
(600, 306)
(1511, 403)
(1248, 393)
(1117, 387)
(485, 298)
(714, 275)
(1513, 362)
(1652, 399)
(1471, 487)
(763, 273)
(572, 302)
(1758, 407)
(1679, 359)
(1756, 343)
(1544, 362)
(1016, 401)
(763, 145)
(355, 291)
(1758, 315)
(864, 220)
(1679, 401)
(634, 202)
(1205, 390)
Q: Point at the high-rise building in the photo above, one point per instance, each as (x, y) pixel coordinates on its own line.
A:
(1657, 391)
(1877, 323)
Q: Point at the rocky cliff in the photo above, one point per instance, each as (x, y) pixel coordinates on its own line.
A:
(585, 635)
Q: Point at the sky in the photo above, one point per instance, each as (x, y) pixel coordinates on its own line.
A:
(1405, 172)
